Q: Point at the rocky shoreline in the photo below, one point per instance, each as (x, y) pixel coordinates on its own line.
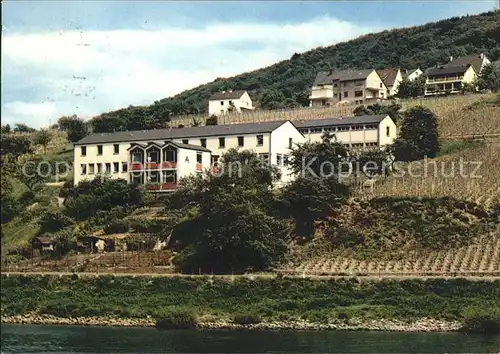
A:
(421, 325)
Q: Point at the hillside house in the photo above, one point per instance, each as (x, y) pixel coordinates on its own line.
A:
(391, 78)
(351, 86)
(448, 79)
(353, 132)
(478, 61)
(412, 74)
(43, 243)
(224, 102)
(160, 158)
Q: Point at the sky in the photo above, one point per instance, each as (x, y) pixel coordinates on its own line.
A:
(89, 57)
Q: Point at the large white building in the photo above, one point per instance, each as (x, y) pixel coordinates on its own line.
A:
(353, 132)
(160, 158)
(224, 102)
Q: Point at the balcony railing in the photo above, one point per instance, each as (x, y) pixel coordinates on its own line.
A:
(137, 166)
(445, 79)
(167, 186)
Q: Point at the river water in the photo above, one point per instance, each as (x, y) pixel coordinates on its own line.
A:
(76, 339)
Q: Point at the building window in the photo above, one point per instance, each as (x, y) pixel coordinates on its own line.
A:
(222, 142)
(84, 150)
(116, 149)
(116, 167)
(199, 157)
(154, 156)
(358, 93)
(91, 168)
(203, 142)
(279, 159)
(99, 168)
(388, 131)
(346, 94)
(137, 157)
(108, 167)
(99, 149)
(290, 143)
(84, 168)
(169, 177)
(335, 85)
(335, 95)
(185, 141)
(323, 102)
(380, 85)
(222, 103)
(241, 141)
(170, 154)
(260, 140)
(124, 167)
(230, 102)
(286, 160)
(154, 177)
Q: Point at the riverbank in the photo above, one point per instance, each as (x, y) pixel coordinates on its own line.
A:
(271, 303)
(422, 325)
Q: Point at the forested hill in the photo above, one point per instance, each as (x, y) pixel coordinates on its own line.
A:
(286, 84)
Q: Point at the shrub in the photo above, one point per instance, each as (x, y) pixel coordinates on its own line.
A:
(116, 226)
(246, 318)
(482, 321)
(176, 319)
(54, 221)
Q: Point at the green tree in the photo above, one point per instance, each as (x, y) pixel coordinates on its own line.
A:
(23, 128)
(74, 127)
(418, 137)
(212, 120)
(411, 88)
(235, 226)
(5, 129)
(372, 162)
(15, 146)
(318, 185)
(43, 137)
(393, 110)
(489, 78)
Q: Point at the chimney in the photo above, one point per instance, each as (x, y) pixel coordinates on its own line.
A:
(481, 55)
(451, 58)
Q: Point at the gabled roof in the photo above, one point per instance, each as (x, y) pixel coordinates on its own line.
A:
(227, 95)
(445, 70)
(329, 122)
(44, 239)
(179, 133)
(475, 60)
(388, 76)
(325, 77)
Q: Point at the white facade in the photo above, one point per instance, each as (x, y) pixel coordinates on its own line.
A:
(393, 90)
(414, 74)
(223, 105)
(141, 160)
(357, 134)
(451, 82)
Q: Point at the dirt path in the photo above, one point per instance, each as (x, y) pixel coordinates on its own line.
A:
(255, 276)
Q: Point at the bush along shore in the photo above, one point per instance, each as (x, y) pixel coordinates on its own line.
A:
(280, 303)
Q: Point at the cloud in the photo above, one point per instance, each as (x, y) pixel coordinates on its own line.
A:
(49, 74)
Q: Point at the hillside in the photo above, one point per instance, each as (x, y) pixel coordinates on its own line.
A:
(285, 84)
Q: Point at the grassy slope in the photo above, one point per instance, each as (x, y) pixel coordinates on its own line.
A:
(316, 300)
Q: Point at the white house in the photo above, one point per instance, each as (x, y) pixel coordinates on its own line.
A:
(159, 158)
(448, 79)
(353, 132)
(412, 74)
(229, 101)
(350, 86)
(391, 78)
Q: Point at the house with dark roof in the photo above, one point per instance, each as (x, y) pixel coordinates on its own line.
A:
(353, 132)
(478, 61)
(448, 79)
(391, 78)
(160, 158)
(348, 86)
(224, 102)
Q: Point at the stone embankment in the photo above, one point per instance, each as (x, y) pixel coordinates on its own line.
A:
(422, 325)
